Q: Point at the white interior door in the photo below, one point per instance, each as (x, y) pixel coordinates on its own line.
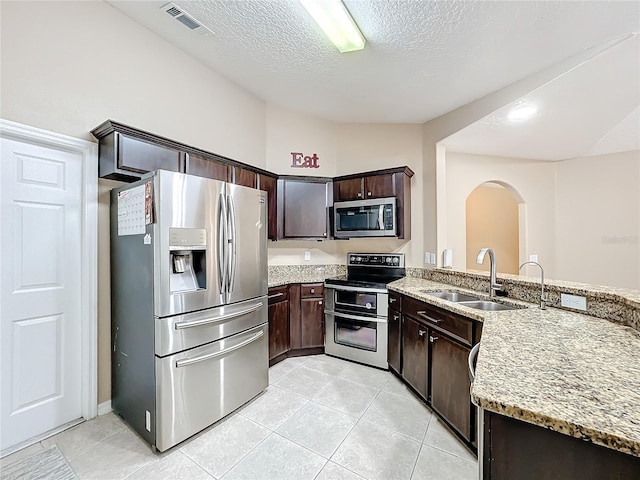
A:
(41, 302)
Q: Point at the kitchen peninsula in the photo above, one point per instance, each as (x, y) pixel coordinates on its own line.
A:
(561, 370)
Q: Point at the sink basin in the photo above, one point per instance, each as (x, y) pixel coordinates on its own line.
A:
(453, 296)
(489, 306)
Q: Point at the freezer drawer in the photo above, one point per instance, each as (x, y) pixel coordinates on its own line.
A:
(198, 387)
(181, 332)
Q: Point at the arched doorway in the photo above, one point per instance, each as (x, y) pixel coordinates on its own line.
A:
(492, 220)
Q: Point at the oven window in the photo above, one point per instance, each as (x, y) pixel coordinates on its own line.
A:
(356, 333)
(356, 301)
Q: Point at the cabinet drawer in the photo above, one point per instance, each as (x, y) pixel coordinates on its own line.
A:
(278, 294)
(395, 301)
(312, 290)
(454, 325)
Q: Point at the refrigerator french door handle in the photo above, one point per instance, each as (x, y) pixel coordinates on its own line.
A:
(205, 321)
(233, 243)
(222, 243)
(202, 358)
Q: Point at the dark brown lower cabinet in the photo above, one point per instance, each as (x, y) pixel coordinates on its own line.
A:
(517, 450)
(312, 315)
(394, 341)
(278, 321)
(415, 354)
(450, 383)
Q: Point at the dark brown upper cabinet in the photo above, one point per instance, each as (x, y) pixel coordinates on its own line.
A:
(392, 182)
(205, 167)
(375, 186)
(269, 183)
(303, 208)
(242, 176)
(126, 158)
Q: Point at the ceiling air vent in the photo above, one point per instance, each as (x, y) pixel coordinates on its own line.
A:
(184, 18)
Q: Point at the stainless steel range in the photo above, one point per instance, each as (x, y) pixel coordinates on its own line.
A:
(356, 307)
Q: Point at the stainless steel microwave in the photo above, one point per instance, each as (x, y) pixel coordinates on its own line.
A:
(374, 217)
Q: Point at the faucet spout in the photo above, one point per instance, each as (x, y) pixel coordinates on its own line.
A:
(493, 285)
(542, 297)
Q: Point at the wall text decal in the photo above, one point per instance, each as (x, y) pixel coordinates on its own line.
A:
(299, 160)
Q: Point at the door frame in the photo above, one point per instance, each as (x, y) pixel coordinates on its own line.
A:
(89, 248)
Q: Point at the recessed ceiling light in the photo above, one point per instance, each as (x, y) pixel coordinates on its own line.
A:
(521, 112)
(334, 18)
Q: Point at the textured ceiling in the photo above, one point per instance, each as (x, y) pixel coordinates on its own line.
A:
(422, 58)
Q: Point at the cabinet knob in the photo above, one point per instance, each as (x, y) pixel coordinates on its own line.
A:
(320, 302)
(369, 193)
(392, 300)
(313, 290)
(396, 317)
(432, 339)
(422, 332)
(324, 234)
(359, 194)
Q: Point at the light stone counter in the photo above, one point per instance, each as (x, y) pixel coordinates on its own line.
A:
(572, 373)
(286, 274)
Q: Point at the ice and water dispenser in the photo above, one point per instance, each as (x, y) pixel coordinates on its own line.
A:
(187, 256)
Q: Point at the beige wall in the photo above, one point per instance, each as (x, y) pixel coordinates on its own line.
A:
(492, 221)
(532, 181)
(68, 66)
(582, 216)
(344, 149)
(598, 220)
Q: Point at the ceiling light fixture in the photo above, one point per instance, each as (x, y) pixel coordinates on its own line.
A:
(334, 18)
(522, 111)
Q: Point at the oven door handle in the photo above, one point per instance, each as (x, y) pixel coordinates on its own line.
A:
(347, 288)
(356, 317)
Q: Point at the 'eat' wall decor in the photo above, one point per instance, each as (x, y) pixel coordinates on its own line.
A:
(299, 160)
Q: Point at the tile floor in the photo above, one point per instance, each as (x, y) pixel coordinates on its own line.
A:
(320, 418)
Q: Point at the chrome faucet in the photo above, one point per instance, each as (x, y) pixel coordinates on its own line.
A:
(543, 300)
(493, 285)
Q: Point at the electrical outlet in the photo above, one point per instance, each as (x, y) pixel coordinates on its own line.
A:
(427, 258)
(576, 302)
(533, 258)
(307, 255)
(433, 259)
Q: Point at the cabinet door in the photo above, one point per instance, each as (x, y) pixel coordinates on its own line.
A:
(379, 186)
(204, 167)
(141, 157)
(414, 349)
(312, 313)
(304, 209)
(269, 185)
(278, 329)
(348, 190)
(243, 177)
(393, 347)
(450, 382)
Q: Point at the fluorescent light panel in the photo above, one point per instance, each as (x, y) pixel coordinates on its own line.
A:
(334, 18)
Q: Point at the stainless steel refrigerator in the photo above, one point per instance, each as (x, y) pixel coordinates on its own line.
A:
(188, 303)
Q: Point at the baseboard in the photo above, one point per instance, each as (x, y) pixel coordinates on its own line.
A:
(104, 407)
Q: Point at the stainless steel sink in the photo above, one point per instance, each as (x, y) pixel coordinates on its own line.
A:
(453, 296)
(489, 306)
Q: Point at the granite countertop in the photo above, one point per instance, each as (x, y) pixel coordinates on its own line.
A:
(572, 373)
(295, 277)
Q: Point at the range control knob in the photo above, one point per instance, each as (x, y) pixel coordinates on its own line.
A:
(396, 260)
(389, 260)
(358, 259)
